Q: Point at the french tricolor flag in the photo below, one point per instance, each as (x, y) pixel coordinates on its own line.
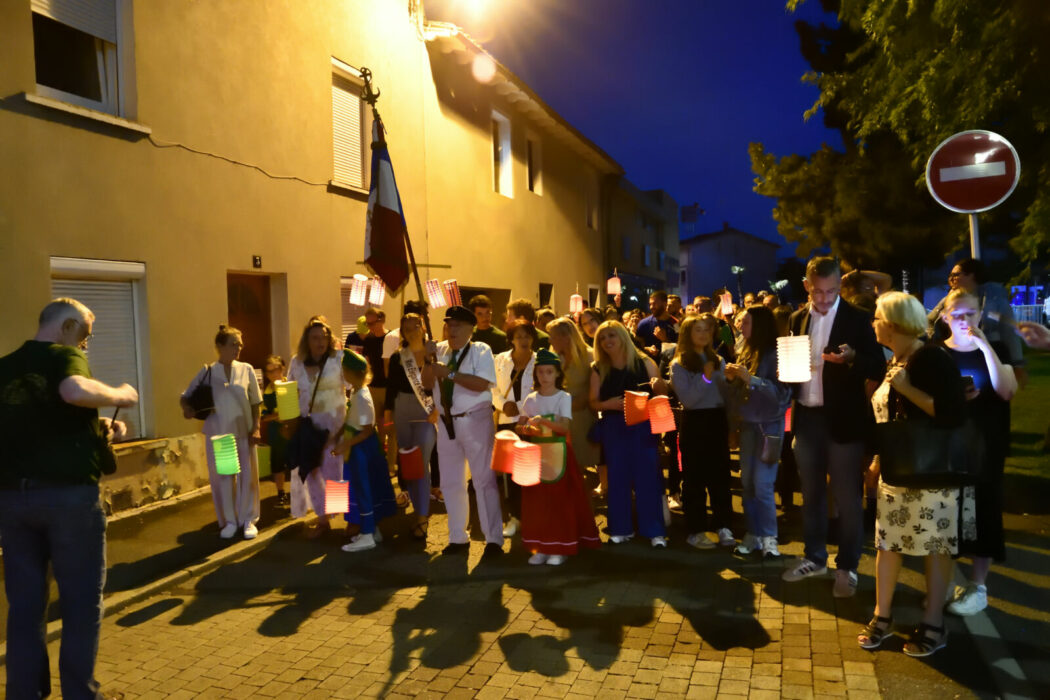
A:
(385, 229)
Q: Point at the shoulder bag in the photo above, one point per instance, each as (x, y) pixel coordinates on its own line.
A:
(306, 446)
(201, 399)
(917, 454)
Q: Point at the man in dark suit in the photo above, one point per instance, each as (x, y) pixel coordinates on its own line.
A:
(831, 420)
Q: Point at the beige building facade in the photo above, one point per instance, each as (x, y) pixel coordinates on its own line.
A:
(182, 164)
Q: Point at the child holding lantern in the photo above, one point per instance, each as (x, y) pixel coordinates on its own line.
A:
(364, 465)
(556, 513)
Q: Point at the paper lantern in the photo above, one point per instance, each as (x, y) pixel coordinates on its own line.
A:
(635, 407)
(336, 497)
(287, 399)
(452, 294)
(411, 460)
(613, 285)
(575, 304)
(263, 459)
(794, 361)
(377, 292)
(503, 452)
(661, 418)
(526, 463)
(725, 304)
(358, 290)
(787, 420)
(435, 296)
(224, 449)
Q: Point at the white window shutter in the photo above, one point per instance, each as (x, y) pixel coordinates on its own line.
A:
(347, 132)
(95, 17)
(112, 351)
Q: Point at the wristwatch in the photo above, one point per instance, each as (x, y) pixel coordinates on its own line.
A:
(452, 376)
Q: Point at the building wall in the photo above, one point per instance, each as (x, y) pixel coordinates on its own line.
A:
(709, 260)
(643, 219)
(251, 83)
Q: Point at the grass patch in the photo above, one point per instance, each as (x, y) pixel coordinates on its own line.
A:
(1030, 416)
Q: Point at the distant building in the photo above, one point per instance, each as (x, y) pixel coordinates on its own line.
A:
(707, 259)
(642, 241)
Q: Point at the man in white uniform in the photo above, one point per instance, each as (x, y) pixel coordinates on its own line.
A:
(461, 373)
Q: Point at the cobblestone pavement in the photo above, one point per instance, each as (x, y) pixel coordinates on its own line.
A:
(301, 619)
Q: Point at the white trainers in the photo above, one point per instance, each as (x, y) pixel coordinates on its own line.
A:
(974, 599)
(229, 531)
(803, 568)
(659, 542)
(725, 538)
(556, 559)
(360, 544)
(769, 547)
(250, 531)
(845, 584)
(749, 544)
(700, 540)
(619, 539)
(511, 528)
(538, 558)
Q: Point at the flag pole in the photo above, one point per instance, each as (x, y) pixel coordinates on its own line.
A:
(371, 97)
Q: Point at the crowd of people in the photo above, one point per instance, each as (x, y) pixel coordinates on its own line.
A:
(570, 386)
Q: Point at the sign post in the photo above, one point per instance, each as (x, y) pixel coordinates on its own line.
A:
(971, 172)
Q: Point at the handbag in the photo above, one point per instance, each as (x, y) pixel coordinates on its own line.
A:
(917, 454)
(771, 447)
(306, 445)
(201, 399)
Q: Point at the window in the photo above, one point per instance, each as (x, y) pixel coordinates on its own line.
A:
(533, 166)
(546, 290)
(646, 255)
(626, 249)
(118, 350)
(501, 172)
(592, 296)
(349, 122)
(75, 52)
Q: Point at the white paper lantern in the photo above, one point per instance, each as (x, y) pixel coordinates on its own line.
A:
(575, 303)
(435, 295)
(794, 361)
(377, 293)
(614, 286)
(358, 290)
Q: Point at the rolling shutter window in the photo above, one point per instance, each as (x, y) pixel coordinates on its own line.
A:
(347, 132)
(95, 17)
(112, 351)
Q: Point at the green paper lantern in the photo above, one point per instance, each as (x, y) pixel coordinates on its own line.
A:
(224, 447)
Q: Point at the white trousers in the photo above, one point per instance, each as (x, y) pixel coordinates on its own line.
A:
(236, 496)
(475, 435)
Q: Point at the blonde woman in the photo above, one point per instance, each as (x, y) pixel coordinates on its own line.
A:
(576, 364)
(630, 450)
(315, 366)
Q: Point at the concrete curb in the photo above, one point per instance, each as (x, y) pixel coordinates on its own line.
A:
(121, 600)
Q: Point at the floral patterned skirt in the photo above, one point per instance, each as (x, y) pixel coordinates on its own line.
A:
(917, 521)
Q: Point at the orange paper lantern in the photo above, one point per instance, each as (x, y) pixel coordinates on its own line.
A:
(503, 452)
(411, 463)
(661, 418)
(336, 497)
(635, 409)
(452, 294)
(526, 463)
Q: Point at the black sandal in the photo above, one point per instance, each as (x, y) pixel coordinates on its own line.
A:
(923, 644)
(875, 634)
(419, 530)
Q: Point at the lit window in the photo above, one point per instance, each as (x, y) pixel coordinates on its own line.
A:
(501, 172)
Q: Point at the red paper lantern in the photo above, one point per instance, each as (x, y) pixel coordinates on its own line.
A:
(661, 418)
(452, 294)
(411, 460)
(787, 420)
(503, 452)
(635, 408)
(526, 463)
(336, 496)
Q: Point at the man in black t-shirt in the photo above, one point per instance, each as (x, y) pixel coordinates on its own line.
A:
(372, 349)
(52, 452)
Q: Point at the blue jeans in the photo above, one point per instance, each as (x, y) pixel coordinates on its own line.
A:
(819, 457)
(66, 526)
(758, 479)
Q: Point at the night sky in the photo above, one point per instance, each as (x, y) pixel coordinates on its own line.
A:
(674, 90)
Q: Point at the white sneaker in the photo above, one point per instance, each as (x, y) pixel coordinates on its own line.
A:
(250, 531)
(377, 535)
(700, 540)
(360, 543)
(769, 547)
(973, 600)
(511, 528)
(619, 539)
(556, 559)
(659, 542)
(538, 558)
(749, 544)
(845, 584)
(229, 531)
(803, 568)
(725, 538)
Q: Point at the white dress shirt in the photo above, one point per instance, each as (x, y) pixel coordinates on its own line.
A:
(478, 363)
(812, 393)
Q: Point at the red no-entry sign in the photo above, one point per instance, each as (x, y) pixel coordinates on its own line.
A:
(972, 171)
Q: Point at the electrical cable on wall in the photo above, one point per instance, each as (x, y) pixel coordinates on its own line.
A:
(160, 144)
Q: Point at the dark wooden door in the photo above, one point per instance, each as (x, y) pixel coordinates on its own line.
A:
(248, 302)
